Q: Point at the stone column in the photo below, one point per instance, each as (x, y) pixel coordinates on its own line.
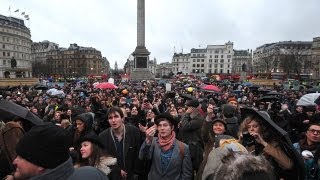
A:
(141, 23)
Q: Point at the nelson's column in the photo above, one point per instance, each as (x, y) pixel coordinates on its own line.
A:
(141, 54)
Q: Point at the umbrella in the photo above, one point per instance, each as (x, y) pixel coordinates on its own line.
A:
(9, 110)
(274, 93)
(211, 88)
(106, 85)
(55, 92)
(269, 99)
(308, 99)
(80, 90)
(249, 84)
(187, 97)
(313, 90)
(40, 87)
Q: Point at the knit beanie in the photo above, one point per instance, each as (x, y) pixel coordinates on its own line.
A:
(45, 145)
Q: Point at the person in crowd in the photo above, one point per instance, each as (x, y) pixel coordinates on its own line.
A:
(298, 123)
(229, 115)
(261, 140)
(43, 153)
(83, 123)
(309, 148)
(123, 142)
(170, 158)
(190, 132)
(223, 145)
(91, 153)
(211, 128)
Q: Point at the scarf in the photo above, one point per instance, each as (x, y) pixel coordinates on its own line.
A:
(166, 144)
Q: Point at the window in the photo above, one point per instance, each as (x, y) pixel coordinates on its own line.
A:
(3, 46)
(215, 70)
(216, 56)
(221, 70)
(216, 60)
(202, 60)
(228, 56)
(228, 60)
(210, 65)
(216, 51)
(221, 56)
(193, 65)
(202, 65)
(198, 65)
(194, 60)
(221, 65)
(3, 53)
(216, 65)
(221, 60)
(198, 60)
(4, 62)
(210, 60)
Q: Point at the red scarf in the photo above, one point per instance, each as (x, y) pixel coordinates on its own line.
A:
(166, 144)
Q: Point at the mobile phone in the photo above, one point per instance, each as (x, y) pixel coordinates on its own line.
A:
(150, 124)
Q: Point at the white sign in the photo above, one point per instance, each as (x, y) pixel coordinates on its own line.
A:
(111, 80)
(168, 87)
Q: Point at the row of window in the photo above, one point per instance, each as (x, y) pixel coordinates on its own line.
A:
(16, 55)
(12, 31)
(15, 41)
(7, 63)
(16, 48)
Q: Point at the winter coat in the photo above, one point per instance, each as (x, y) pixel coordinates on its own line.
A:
(178, 169)
(190, 133)
(108, 165)
(9, 137)
(61, 172)
(131, 148)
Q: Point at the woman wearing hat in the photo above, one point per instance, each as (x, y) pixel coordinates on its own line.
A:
(91, 153)
(170, 157)
(260, 140)
(211, 128)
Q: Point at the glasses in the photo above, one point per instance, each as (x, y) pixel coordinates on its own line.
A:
(313, 131)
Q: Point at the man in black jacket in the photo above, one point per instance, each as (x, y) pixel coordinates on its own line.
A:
(122, 141)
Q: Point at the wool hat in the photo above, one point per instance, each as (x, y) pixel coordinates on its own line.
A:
(232, 99)
(166, 116)
(45, 145)
(93, 138)
(193, 103)
(220, 120)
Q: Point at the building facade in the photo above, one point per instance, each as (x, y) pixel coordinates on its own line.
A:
(316, 57)
(242, 60)
(164, 70)
(15, 48)
(76, 61)
(39, 51)
(129, 65)
(289, 57)
(181, 63)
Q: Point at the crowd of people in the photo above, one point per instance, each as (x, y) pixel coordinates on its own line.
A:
(144, 131)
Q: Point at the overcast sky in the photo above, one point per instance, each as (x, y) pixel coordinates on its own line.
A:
(110, 25)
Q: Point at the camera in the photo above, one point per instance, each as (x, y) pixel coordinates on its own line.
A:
(247, 139)
(150, 124)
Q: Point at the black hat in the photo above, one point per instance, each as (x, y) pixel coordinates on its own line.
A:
(220, 120)
(228, 110)
(45, 145)
(166, 116)
(193, 103)
(93, 139)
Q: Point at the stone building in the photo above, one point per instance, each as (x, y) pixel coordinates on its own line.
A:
(39, 51)
(15, 48)
(76, 61)
(289, 57)
(181, 63)
(240, 59)
(316, 57)
(164, 70)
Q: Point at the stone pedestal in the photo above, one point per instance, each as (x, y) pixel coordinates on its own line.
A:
(243, 76)
(141, 64)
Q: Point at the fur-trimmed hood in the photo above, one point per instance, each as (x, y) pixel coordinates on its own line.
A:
(105, 163)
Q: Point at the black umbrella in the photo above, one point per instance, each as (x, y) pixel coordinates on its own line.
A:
(269, 99)
(40, 87)
(274, 93)
(10, 110)
(313, 90)
(187, 97)
(297, 172)
(80, 90)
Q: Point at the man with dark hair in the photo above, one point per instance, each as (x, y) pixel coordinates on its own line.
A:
(122, 141)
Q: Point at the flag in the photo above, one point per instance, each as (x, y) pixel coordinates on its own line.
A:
(27, 19)
(26, 16)
(16, 10)
(9, 8)
(23, 13)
